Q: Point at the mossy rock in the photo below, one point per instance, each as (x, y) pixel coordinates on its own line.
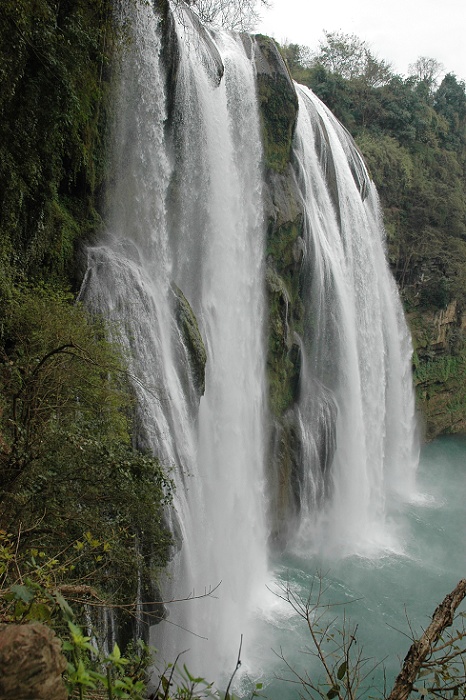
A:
(192, 339)
(196, 37)
(284, 351)
(285, 247)
(285, 477)
(439, 367)
(285, 251)
(278, 104)
(441, 393)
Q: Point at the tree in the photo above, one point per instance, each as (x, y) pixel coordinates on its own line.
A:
(434, 664)
(67, 460)
(450, 103)
(427, 70)
(239, 15)
(297, 56)
(434, 657)
(349, 56)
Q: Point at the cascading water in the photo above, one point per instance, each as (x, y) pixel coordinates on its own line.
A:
(218, 254)
(356, 409)
(185, 247)
(187, 210)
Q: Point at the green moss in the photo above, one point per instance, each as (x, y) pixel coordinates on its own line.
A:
(441, 392)
(283, 353)
(284, 249)
(54, 100)
(439, 370)
(278, 113)
(278, 106)
(189, 329)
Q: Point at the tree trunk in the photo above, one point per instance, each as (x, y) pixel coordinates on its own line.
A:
(423, 647)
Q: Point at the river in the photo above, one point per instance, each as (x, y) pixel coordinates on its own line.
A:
(386, 595)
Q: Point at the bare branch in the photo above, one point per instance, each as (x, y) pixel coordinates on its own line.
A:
(238, 664)
(421, 649)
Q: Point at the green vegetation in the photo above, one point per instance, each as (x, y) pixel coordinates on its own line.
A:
(32, 591)
(278, 107)
(35, 587)
(69, 464)
(412, 134)
(66, 459)
(53, 85)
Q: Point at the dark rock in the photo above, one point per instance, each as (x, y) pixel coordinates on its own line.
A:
(192, 339)
(285, 477)
(278, 104)
(196, 37)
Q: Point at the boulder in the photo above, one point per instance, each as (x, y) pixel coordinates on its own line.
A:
(31, 663)
(191, 338)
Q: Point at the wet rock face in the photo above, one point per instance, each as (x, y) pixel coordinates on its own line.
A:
(278, 104)
(285, 477)
(439, 366)
(284, 215)
(285, 250)
(196, 35)
(191, 338)
(31, 663)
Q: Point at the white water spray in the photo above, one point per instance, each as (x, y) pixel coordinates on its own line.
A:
(198, 224)
(357, 404)
(185, 209)
(218, 263)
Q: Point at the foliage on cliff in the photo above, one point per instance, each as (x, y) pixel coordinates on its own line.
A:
(278, 105)
(68, 462)
(67, 465)
(413, 137)
(53, 80)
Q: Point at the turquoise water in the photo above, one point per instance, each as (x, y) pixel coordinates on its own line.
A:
(384, 595)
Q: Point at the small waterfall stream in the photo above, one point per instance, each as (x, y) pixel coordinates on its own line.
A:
(186, 230)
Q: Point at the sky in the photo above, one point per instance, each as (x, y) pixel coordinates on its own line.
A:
(398, 31)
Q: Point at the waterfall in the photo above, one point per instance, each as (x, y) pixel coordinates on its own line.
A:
(180, 271)
(218, 258)
(356, 409)
(186, 210)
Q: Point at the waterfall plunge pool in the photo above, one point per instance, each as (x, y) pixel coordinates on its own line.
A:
(384, 595)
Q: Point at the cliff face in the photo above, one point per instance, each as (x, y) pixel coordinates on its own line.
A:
(284, 251)
(439, 365)
(54, 89)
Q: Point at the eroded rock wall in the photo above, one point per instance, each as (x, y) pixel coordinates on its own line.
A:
(284, 252)
(440, 367)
